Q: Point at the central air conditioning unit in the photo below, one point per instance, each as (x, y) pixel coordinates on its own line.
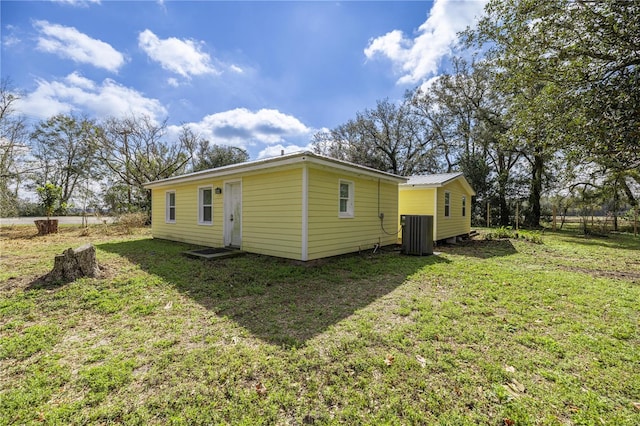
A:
(417, 234)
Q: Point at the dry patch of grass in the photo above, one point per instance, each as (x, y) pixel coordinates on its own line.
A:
(488, 332)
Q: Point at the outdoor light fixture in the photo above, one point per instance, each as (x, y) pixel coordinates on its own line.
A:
(218, 190)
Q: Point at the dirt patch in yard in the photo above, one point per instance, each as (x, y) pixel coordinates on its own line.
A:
(626, 275)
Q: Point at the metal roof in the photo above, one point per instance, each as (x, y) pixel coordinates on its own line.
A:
(437, 180)
(296, 157)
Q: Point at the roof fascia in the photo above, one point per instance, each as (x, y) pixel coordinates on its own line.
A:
(275, 162)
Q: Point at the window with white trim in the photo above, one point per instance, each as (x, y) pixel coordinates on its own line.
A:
(464, 205)
(170, 206)
(447, 204)
(345, 207)
(205, 205)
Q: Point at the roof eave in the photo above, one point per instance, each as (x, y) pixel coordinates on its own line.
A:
(464, 182)
(274, 162)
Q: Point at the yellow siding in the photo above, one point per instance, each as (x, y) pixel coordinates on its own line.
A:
(416, 201)
(421, 200)
(272, 213)
(330, 235)
(455, 224)
(186, 228)
(412, 200)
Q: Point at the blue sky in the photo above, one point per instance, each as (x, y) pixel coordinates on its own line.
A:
(264, 76)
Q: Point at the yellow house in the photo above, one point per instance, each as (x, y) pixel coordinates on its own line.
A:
(446, 197)
(300, 206)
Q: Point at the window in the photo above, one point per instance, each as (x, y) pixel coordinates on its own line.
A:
(447, 204)
(170, 208)
(205, 205)
(346, 199)
(464, 205)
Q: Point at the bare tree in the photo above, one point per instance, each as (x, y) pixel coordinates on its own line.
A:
(135, 151)
(390, 137)
(13, 148)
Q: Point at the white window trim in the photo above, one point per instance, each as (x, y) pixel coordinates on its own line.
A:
(201, 221)
(464, 206)
(350, 201)
(167, 207)
(445, 204)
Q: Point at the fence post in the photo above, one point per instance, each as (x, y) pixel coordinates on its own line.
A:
(635, 222)
(554, 218)
(488, 215)
(517, 214)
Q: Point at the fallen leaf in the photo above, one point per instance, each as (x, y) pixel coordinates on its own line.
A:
(510, 369)
(261, 389)
(168, 305)
(421, 360)
(389, 359)
(511, 391)
(508, 422)
(519, 387)
(636, 405)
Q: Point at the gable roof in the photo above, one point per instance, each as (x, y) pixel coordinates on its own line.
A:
(271, 162)
(437, 180)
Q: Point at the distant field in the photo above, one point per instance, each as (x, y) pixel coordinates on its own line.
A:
(63, 220)
(500, 332)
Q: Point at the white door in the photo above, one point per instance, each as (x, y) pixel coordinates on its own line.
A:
(233, 214)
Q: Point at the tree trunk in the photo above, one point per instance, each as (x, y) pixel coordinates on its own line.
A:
(503, 180)
(534, 212)
(74, 264)
(47, 226)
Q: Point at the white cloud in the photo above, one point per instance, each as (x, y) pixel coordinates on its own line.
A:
(10, 40)
(236, 69)
(183, 57)
(68, 42)
(77, 3)
(77, 93)
(173, 82)
(418, 58)
(426, 85)
(243, 128)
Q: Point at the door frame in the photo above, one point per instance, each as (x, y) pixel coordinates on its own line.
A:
(228, 210)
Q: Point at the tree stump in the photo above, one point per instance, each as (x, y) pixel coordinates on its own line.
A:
(75, 263)
(47, 226)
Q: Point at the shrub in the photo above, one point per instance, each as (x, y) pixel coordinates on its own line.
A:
(505, 233)
(132, 220)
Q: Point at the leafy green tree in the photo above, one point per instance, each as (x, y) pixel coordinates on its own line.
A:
(205, 155)
(572, 67)
(64, 149)
(50, 198)
(211, 156)
(468, 113)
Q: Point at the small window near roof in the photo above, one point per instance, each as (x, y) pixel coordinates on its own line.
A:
(170, 207)
(464, 205)
(447, 204)
(345, 208)
(205, 205)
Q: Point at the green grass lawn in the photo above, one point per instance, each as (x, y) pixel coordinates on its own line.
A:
(496, 332)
